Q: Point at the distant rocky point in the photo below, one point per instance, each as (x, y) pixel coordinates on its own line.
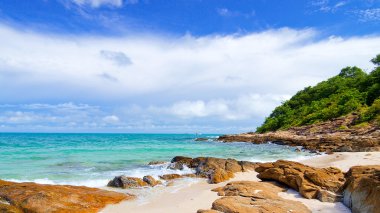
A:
(338, 135)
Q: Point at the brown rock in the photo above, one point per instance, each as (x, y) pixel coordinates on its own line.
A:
(320, 137)
(179, 162)
(215, 169)
(31, 197)
(362, 189)
(156, 163)
(220, 175)
(251, 205)
(201, 139)
(247, 166)
(170, 176)
(259, 190)
(249, 196)
(190, 175)
(7, 208)
(127, 182)
(151, 181)
(310, 182)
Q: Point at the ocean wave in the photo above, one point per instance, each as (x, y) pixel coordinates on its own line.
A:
(101, 180)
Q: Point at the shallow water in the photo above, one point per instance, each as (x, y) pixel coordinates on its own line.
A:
(93, 159)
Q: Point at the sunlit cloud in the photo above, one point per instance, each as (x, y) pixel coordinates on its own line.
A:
(164, 82)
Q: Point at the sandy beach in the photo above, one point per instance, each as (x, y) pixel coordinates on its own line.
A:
(199, 195)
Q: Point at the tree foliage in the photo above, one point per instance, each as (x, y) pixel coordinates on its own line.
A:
(352, 90)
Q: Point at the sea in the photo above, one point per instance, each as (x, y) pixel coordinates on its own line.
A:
(94, 159)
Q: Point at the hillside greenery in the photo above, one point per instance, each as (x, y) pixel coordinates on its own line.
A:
(352, 90)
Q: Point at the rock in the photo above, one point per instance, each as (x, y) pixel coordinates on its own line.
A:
(247, 166)
(329, 152)
(220, 175)
(32, 197)
(259, 190)
(152, 163)
(252, 197)
(310, 182)
(151, 181)
(215, 169)
(201, 139)
(362, 189)
(327, 196)
(179, 162)
(251, 205)
(190, 175)
(126, 182)
(170, 176)
(7, 208)
(320, 137)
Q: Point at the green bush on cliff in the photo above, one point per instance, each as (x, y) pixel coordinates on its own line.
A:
(352, 90)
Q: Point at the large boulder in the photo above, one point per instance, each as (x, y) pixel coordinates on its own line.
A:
(362, 189)
(151, 181)
(252, 197)
(323, 184)
(170, 176)
(215, 169)
(32, 197)
(127, 182)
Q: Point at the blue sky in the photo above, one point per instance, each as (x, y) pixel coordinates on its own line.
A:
(198, 17)
(171, 65)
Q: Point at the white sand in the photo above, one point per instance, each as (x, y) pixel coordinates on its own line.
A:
(190, 198)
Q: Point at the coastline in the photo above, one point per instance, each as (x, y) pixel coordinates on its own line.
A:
(199, 195)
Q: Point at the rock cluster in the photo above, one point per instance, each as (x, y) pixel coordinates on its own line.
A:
(253, 197)
(32, 197)
(215, 169)
(132, 182)
(362, 189)
(323, 184)
(338, 135)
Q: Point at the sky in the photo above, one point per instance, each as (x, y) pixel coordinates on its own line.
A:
(171, 66)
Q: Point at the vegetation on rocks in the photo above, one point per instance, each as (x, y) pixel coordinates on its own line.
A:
(352, 91)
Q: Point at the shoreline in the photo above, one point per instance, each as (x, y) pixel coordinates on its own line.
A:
(199, 195)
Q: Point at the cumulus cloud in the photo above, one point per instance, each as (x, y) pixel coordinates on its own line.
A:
(98, 3)
(230, 81)
(244, 107)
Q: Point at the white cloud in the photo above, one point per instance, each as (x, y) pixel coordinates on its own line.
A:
(98, 3)
(327, 6)
(111, 119)
(372, 14)
(231, 80)
(245, 107)
(229, 13)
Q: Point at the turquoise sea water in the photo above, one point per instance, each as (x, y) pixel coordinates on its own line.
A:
(93, 159)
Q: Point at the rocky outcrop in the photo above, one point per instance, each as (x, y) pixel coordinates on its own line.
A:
(362, 189)
(32, 197)
(151, 181)
(215, 169)
(170, 176)
(338, 135)
(252, 197)
(323, 184)
(127, 182)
